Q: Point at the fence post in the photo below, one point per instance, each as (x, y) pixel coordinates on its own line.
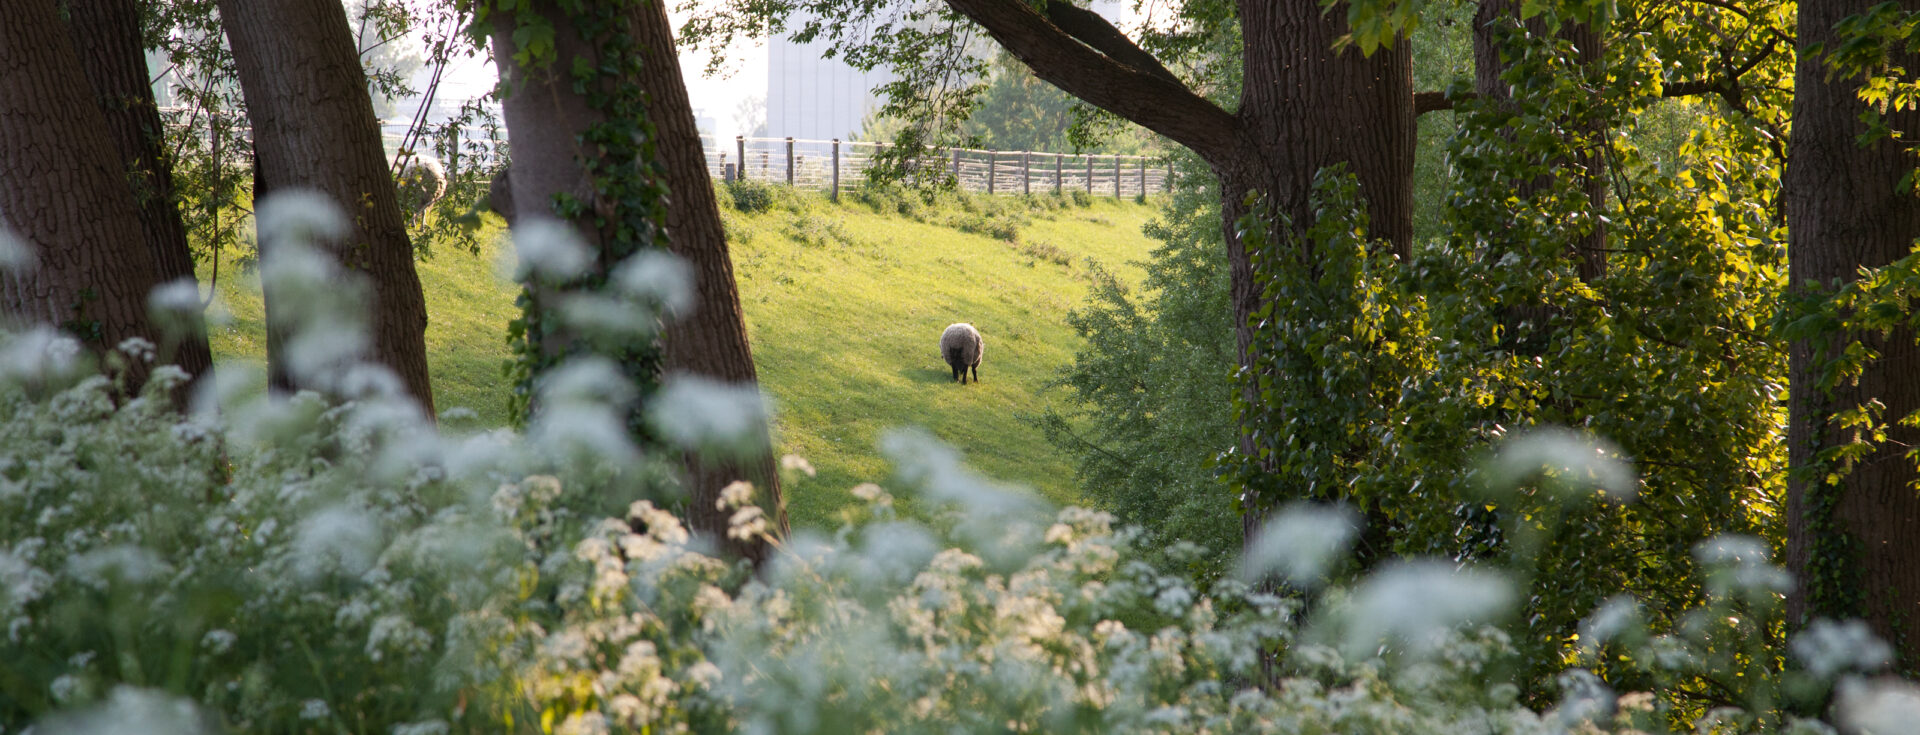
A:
(1143, 177)
(993, 159)
(789, 160)
(453, 161)
(1116, 177)
(1057, 158)
(1026, 172)
(1089, 158)
(740, 147)
(954, 154)
(1169, 182)
(836, 170)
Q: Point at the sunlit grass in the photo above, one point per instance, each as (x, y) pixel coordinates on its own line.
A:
(845, 337)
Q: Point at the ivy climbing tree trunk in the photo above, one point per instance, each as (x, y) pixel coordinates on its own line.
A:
(63, 191)
(314, 128)
(711, 341)
(107, 35)
(547, 118)
(1855, 543)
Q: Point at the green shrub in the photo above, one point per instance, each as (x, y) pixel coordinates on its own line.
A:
(1152, 386)
(751, 196)
(1080, 198)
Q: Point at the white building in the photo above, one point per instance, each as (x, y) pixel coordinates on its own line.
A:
(810, 96)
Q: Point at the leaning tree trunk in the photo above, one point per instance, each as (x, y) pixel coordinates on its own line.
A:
(107, 35)
(63, 191)
(1854, 544)
(712, 341)
(1306, 107)
(314, 128)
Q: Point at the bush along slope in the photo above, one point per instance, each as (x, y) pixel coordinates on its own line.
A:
(331, 561)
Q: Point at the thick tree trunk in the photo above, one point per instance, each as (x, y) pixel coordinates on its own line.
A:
(1855, 545)
(63, 190)
(545, 116)
(712, 341)
(1306, 107)
(1590, 249)
(314, 128)
(107, 35)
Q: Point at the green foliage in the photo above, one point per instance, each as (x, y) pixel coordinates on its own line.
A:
(1378, 382)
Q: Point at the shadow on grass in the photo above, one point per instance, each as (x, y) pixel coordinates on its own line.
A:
(927, 375)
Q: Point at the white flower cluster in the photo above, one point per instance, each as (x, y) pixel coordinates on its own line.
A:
(335, 562)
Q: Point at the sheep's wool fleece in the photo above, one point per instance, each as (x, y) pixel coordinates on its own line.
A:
(964, 336)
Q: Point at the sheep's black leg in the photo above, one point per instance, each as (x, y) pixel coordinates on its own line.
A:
(976, 373)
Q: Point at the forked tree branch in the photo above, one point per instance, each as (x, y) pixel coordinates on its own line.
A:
(1107, 75)
(1095, 31)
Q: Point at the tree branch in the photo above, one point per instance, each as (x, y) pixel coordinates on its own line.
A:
(1094, 30)
(1425, 102)
(1158, 103)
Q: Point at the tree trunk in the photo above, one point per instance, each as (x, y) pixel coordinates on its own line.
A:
(1306, 107)
(107, 35)
(63, 191)
(1854, 544)
(712, 341)
(1590, 249)
(314, 128)
(545, 116)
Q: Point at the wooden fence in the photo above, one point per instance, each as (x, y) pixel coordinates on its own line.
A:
(829, 165)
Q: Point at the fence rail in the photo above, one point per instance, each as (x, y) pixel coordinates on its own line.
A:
(830, 165)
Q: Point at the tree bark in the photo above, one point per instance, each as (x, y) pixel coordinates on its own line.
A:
(1855, 544)
(712, 341)
(108, 37)
(314, 128)
(63, 192)
(1305, 107)
(545, 117)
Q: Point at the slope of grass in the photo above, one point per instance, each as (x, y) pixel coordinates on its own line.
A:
(844, 306)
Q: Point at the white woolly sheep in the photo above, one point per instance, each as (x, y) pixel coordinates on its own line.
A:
(422, 182)
(962, 347)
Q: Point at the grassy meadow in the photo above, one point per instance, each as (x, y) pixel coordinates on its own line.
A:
(844, 306)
